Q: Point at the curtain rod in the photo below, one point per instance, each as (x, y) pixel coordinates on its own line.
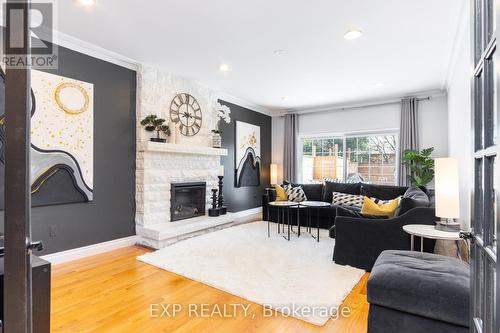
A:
(358, 106)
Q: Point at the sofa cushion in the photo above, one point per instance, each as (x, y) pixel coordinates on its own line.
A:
(432, 200)
(313, 192)
(383, 192)
(331, 187)
(341, 211)
(423, 284)
(414, 197)
(416, 193)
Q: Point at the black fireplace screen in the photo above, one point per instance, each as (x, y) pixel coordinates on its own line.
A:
(187, 200)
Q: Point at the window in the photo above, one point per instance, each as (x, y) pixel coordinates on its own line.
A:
(367, 158)
(322, 158)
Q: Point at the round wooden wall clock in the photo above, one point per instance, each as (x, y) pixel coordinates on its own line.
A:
(186, 112)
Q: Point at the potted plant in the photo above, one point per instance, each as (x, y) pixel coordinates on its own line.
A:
(421, 166)
(223, 113)
(154, 124)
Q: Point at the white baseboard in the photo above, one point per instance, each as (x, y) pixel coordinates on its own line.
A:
(248, 212)
(87, 251)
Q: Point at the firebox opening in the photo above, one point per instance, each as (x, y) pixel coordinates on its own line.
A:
(187, 200)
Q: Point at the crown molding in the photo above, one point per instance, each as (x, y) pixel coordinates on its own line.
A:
(95, 51)
(245, 103)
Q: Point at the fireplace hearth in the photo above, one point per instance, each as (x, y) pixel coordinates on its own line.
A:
(187, 200)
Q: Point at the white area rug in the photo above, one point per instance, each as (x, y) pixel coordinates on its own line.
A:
(297, 278)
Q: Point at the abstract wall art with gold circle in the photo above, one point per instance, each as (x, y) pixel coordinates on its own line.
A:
(62, 140)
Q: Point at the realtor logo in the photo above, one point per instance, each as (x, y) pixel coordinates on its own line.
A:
(43, 51)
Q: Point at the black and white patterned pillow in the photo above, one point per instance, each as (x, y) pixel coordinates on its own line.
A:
(347, 200)
(295, 194)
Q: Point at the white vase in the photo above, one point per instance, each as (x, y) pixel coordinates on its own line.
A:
(216, 140)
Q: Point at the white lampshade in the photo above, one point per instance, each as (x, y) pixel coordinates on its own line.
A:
(274, 174)
(447, 188)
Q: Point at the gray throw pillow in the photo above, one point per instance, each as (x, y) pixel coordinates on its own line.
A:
(413, 198)
(416, 194)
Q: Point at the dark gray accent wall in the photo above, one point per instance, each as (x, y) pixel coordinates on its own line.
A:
(243, 198)
(112, 213)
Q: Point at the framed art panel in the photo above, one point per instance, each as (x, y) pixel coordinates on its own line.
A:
(247, 150)
(62, 140)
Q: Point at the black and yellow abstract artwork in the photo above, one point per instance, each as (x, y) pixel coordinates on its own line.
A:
(61, 139)
(247, 154)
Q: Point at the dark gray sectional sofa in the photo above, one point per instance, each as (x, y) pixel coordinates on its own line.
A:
(359, 239)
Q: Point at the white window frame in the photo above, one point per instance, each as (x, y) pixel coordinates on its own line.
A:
(344, 136)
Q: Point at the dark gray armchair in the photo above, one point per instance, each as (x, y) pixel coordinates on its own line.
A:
(359, 241)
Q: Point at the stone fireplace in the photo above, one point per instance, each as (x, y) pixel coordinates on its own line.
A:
(187, 200)
(165, 170)
(162, 167)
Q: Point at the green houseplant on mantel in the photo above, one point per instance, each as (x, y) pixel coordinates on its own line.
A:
(421, 166)
(152, 123)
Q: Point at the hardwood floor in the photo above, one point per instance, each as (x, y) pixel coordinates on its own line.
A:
(113, 292)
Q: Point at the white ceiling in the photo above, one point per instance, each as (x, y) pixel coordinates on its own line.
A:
(406, 44)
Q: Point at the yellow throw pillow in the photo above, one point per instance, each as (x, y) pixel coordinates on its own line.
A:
(372, 208)
(280, 193)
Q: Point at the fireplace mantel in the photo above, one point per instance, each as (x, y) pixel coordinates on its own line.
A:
(150, 146)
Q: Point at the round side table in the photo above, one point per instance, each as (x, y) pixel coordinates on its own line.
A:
(428, 231)
(311, 205)
(285, 210)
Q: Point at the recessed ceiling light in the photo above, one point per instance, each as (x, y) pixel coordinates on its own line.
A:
(284, 98)
(224, 68)
(379, 84)
(87, 3)
(279, 52)
(353, 34)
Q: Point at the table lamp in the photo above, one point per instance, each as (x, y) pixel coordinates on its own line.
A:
(273, 180)
(447, 194)
(274, 174)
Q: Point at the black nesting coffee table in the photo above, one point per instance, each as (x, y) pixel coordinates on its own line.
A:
(283, 210)
(310, 205)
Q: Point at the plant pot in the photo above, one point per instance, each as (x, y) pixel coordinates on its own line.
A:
(216, 140)
(158, 140)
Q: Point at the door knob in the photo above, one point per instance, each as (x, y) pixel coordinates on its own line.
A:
(36, 245)
(466, 235)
